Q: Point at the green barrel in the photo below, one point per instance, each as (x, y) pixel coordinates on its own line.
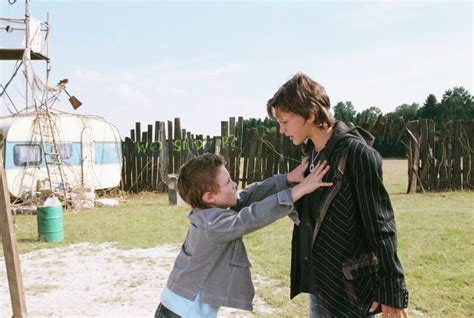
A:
(50, 223)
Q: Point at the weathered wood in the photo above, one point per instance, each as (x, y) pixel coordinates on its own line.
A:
(470, 133)
(156, 154)
(138, 135)
(177, 136)
(171, 166)
(424, 152)
(149, 160)
(277, 152)
(246, 148)
(457, 153)
(412, 132)
(129, 161)
(258, 156)
(443, 165)
(466, 154)
(239, 134)
(252, 155)
(10, 251)
(164, 162)
(432, 175)
(232, 149)
(224, 142)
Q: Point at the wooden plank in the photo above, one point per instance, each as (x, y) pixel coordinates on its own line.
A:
(177, 139)
(443, 165)
(413, 136)
(424, 151)
(457, 154)
(10, 251)
(129, 145)
(466, 155)
(144, 166)
(283, 163)
(239, 134)
(245, 149)
(138, 136)
(432, 175)
(156, 161)
(134, 161)
(123, 180)
(224, 142)
(470, 131)
(232, 149)
(258, 156)
(270, 154)
(277, 152)
(149, 160)
(171, 166)
(252, 154)
(164, 159)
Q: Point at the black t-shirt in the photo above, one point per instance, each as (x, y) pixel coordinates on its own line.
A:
(308, 213)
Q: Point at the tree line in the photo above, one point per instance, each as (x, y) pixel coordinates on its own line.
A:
(456, 103)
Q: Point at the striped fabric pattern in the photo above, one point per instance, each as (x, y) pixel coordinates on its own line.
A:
(355, 259)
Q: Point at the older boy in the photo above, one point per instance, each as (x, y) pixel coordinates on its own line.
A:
(344, 251)
(212, 268)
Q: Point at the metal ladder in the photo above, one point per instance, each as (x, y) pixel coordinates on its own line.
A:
(51, 152)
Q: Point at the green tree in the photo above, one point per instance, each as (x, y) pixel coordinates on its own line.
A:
(407, 111)
(430, 108)
(370, 114)
(345, 112)
(457, 103)
(268, 124)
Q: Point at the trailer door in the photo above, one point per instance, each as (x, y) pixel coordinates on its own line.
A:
(88, 160)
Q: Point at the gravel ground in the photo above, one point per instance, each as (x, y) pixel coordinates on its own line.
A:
(85, 280)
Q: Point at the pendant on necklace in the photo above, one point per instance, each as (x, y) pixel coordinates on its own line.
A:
(311, 167)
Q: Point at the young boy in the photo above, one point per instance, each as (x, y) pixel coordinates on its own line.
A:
(212, 268)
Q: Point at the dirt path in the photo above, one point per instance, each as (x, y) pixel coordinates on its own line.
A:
(97, 280)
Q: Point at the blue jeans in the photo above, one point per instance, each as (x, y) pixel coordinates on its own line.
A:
(314, 308)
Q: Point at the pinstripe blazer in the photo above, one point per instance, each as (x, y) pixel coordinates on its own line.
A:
(353, 260)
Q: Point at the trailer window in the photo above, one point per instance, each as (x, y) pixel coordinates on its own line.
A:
(26, 155)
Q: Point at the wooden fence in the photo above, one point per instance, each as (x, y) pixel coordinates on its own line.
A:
(440, 159)
(150, 156)
(437, 160)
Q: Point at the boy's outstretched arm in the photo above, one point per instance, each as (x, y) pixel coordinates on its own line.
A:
(229, 224)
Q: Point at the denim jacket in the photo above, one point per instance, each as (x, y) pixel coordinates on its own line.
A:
(213, 259)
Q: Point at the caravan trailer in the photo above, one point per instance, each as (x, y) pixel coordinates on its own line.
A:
(89, 147)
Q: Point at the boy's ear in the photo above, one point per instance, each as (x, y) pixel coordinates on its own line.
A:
(208, 198)
(311, 117)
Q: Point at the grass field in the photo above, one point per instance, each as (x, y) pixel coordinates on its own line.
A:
(435, 237)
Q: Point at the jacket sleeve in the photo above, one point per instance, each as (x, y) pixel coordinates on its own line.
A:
(260, 190)
(230, 225)
(379, 223)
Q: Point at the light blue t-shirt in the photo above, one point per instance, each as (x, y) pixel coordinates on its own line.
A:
(187, 308)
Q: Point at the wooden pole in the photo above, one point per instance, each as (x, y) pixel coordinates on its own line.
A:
(12, 260)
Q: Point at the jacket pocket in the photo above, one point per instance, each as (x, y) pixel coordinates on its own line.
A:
(359, 281)
(367, 264)
(239, 255)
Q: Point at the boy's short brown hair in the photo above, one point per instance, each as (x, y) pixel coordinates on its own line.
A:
(302, 95)
(198, 176)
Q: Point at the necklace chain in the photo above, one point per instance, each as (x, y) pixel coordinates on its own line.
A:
(313, 160)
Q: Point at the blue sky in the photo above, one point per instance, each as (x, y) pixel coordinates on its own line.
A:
(206, 61)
